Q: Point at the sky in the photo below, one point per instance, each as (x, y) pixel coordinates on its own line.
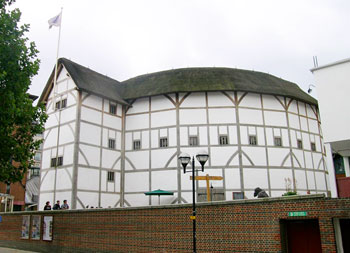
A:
(124, 39)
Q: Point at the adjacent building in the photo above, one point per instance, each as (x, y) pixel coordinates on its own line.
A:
(18, 191)
(106, 142)
(333, 85)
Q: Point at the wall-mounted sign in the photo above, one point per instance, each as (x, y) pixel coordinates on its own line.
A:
(25, 227)
(295, 214)
(0, 218)
(35, 232)
(47, 228)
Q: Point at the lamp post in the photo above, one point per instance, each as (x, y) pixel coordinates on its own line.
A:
(202, 158)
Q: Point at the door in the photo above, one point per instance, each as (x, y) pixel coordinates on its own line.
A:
(301, 236)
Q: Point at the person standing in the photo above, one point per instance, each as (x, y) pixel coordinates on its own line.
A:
(47, 206)
(57, 206)
(65, 205)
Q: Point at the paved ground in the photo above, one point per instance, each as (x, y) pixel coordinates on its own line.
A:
(8, 250)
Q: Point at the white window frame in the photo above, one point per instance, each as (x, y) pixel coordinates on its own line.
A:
(253, 140)
(223, 140)
(136, 145)
(193, 141)
(163, 142)
(111, 143)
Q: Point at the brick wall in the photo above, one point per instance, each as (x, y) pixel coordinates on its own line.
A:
(17, 190)
(234, 226)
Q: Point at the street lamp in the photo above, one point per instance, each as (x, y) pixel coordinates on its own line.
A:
(185, 158)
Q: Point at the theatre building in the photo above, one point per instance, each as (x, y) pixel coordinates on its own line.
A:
(107, 142)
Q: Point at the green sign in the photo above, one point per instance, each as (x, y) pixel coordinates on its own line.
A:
(294, 214)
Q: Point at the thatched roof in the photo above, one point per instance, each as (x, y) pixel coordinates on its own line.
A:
(87, 80)
(211, 79)
(179, 80)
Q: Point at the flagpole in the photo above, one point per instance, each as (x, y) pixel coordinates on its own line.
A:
(55, 77)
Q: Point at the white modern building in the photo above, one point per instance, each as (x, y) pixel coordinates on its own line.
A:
(109, 142)
(333, 86)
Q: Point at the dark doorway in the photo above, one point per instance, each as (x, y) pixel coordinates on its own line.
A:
(300, 236)
(345, 233)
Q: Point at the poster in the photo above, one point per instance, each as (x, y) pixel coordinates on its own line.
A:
(25, 227)
(47, 228)
(35, 234)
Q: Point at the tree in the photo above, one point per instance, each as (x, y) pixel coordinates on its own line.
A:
(20, 121)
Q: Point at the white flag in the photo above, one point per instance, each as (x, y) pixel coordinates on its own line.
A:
(55, 21)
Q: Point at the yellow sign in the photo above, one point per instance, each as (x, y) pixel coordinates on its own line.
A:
(192, 217)
(207, 178)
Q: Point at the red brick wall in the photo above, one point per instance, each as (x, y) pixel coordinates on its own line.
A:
(16, 190)
(235, 226)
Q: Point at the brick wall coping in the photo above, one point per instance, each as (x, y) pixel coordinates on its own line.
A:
(214, 203)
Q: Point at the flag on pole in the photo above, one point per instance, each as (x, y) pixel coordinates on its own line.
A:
(55, 21)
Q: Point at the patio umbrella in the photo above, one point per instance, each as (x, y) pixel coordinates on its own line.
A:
(159, 192)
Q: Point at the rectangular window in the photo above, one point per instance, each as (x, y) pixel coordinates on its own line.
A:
(137, 145)
(37, 157)
(163, 142)
(60, 161)
(252, 140)
(53, 162)
(64, 103)
(278, 141)
(58, 105)
(313, 146)
(193, 141)
(112, 109)
(111, 143)
(223, 140)
(61, 104)
(34, 172)
(300, 144)
(237, 195)
(110, 176)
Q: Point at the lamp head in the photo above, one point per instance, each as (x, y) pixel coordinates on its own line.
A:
(184, 159)
(202, 157)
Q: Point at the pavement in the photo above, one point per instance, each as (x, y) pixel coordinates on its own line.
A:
(8, 250)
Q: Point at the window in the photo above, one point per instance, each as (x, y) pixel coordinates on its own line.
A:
(64, 103)
(112, 109)
(60, 161)
(313, 146)
(53, 162)
(34, 172)
(58, 105)
(110, 176)
(163, 142)
(137, 144)
(278, 141)
(61, 104)
(37, 157)
(252, 140)
(111, 143)
(57, 161)
(223, 140)
(300, 144)
(193, 141)
(237, 195)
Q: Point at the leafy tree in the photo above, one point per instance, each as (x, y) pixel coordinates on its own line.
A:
(20, 121)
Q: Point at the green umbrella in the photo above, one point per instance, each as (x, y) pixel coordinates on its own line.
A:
(159, 192)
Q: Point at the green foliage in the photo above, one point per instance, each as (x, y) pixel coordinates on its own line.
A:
(20, 121)
(289, 194)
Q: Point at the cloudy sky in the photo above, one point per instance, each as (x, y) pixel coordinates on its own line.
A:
(123, 39)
